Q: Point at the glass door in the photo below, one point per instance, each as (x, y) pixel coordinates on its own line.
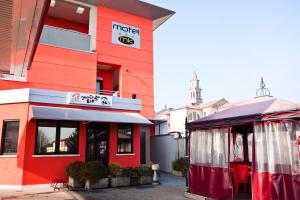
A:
(97, 142)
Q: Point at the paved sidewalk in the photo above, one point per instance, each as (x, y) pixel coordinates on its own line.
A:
(171, 188)
(38, 194)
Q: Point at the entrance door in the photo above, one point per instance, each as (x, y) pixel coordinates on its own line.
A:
(143, 148)
(97, 142)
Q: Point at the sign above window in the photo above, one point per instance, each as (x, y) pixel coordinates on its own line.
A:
(125, 35)
(90, 99)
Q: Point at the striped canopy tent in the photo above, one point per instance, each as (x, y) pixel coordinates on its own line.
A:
(274, 125)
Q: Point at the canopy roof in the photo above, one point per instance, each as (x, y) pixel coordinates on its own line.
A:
(73, 114)
(247, 111)
(138, 8)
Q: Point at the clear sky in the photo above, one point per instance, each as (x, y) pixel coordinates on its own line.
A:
(230, 45)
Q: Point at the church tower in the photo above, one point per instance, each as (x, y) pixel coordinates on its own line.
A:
(195, 90)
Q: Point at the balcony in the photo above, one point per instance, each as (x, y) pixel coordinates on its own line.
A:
(65, 38)
(109, 93)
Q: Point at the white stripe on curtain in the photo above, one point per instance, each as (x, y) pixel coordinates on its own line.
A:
(209, 147)
(276, 148)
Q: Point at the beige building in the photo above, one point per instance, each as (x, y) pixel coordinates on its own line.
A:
(175, 117)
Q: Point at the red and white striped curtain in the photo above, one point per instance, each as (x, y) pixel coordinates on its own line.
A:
(276, 173)
(208, 170)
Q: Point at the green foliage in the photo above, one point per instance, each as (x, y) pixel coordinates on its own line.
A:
(74, 170)
(115, 170)
(94, 171)
(180, 165)
(145, 171)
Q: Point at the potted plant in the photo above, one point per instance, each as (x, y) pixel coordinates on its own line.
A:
(179, 167)
(145, 175)
(95, 175)
(134, 175)
(118, 176)
(74, 172)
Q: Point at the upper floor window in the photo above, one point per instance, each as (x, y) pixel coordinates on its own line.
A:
(10, 136)
(125, 138)
(56, 137)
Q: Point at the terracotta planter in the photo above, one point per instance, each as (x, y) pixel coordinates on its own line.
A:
(119, 181)
(75, 184)
(102, 183)
(144, 180)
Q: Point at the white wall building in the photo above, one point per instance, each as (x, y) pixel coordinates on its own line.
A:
(175, 117)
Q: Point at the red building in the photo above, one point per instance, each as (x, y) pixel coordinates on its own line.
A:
(88, 94)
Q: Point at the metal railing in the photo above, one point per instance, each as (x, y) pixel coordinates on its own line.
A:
(65, 38)
(109, 93)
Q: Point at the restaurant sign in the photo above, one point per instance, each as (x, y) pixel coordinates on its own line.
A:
(125, 35)
(90, 99)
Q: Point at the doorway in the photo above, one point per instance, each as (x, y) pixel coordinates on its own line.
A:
(97, 146)
(143, 148)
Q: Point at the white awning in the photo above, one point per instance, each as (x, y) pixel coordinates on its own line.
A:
(72, 114)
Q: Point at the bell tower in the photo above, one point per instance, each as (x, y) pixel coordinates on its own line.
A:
(195, 90)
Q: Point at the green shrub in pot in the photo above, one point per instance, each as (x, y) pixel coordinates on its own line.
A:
(133, 173)
(118, 176)
(145, 175)
(74, 172)
(95, 175)
(179, 167)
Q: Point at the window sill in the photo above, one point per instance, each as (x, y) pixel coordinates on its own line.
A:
(56, 155)
(8, 156)
(125, 154)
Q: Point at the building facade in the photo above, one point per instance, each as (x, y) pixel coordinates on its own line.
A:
(174, 118)
(79, 99)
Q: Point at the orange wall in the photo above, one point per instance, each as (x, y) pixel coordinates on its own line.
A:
(124, 160)
(63, 69)
(38, 171)
(136, 64)
(11, 169)
(66, 24)
(9, 85)
(42, 170)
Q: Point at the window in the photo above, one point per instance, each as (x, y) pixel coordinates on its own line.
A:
(56, 137)
(125, 138)
(10, 135)
(99, 86)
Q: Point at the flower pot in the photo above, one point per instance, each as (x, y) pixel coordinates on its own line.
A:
(74, 184)
(134, 180)
(102, 183)
(144, 180)
(119, 181)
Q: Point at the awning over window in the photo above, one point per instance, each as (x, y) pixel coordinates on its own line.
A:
(72, 114)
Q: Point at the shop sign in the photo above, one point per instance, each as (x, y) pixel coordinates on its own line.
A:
(90, 99)
(126, 35)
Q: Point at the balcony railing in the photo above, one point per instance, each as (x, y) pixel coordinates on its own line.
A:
(65, 38)
(109, 93)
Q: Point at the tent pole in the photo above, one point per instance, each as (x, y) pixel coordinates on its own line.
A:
(186, 155)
